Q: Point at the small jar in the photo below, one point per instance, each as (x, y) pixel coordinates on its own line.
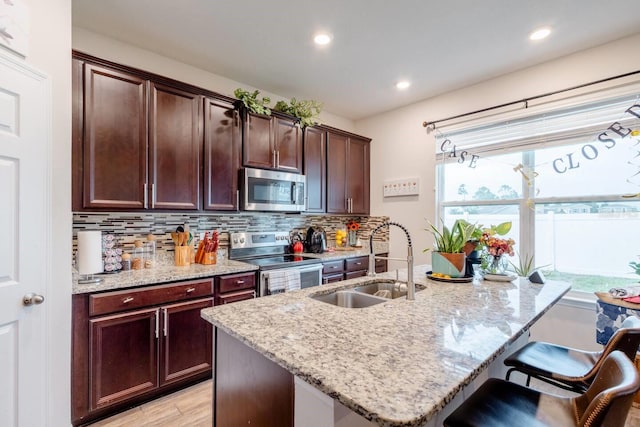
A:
(126, 262)
(137, 259)
(150, 259)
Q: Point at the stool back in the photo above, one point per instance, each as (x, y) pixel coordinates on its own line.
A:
(609, 397)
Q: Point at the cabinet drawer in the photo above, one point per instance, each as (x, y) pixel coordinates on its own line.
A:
(357, 264)
(236, 282)
(381, 264)
(354, 274)
(236, 296)
(112, 302)
(332, 267)
(332, 278)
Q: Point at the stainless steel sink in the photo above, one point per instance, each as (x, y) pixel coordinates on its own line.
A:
(384, 289)
(349, 299)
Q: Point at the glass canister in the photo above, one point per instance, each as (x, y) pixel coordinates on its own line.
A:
(137, 258)
(150, 258)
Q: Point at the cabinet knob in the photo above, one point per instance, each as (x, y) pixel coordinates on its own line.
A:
(239, 282)
(127, 300)
(190, 290)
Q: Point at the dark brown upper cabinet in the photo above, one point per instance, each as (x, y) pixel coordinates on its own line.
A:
(222, 139)
(142, 141)
(315, 168)
(348, 161)
(272, 142)
(114, 138)
(174, 148)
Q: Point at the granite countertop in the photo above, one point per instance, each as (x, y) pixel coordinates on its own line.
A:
(160, 274)
(396, 363)
(165, 271)
(334, 254)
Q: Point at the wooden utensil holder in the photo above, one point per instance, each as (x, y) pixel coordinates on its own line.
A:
(209, 258)
(182, 256)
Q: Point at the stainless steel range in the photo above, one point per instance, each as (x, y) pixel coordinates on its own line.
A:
(279, 270)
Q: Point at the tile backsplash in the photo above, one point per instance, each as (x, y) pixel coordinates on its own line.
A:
(128, 227)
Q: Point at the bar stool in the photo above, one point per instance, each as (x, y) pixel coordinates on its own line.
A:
(500, 403)
(569, 368)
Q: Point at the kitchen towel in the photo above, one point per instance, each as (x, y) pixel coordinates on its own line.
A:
(283, 280)
(627, 292)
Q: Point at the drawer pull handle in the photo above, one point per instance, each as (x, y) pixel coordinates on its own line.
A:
(358, 263)
(239, 282)
(190, 290)
(127, 300)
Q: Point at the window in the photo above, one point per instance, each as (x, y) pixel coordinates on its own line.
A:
(564, 177)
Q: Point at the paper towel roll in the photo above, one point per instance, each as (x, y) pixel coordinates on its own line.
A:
(90, 252)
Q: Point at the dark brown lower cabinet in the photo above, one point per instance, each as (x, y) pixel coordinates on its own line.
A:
(350, 268)
(248, 388)
(133, 345)
(124, 356)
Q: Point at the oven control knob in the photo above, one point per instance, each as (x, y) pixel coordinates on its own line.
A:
(242, 240)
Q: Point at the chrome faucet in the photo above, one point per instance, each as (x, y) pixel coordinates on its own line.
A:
(411, 288)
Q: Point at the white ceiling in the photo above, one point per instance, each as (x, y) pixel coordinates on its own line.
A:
(439, 45)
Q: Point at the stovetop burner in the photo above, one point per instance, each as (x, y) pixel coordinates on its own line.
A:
(267, 250)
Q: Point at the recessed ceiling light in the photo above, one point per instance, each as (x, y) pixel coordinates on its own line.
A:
(540, 34)
(322, 39)
(403, 84)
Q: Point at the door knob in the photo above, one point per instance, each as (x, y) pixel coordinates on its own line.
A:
(32, 299)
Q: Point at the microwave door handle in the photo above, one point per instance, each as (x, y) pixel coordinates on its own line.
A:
(293, 193)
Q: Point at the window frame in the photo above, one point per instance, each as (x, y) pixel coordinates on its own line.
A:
(526, 149)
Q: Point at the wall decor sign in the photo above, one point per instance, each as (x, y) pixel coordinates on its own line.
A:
(14, 26)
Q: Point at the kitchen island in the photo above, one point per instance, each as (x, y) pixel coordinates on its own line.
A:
(398, 363)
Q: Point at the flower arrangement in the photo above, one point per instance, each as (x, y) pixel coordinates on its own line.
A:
(497, 246)
(492, 260)
(352, 225)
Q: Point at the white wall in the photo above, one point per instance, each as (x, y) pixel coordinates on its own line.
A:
(402, 148)
(107, 48)
(50, 52)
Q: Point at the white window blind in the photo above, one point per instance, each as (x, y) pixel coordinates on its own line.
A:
(565, 124)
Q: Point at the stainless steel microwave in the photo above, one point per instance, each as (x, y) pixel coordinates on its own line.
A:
(266, 190)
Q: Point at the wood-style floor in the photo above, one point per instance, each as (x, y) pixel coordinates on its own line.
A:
(191, 407)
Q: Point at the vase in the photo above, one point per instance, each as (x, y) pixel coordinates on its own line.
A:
(450, 264)
(494, 264)
(352, 237)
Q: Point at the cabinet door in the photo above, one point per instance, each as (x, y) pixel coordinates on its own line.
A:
(288, 144)
(221, 155)
(175, 145)
(315, 165)
(114, 139)
(123, 356)
(358, 176)
(186, 339)
(257, 146)
(337, 150)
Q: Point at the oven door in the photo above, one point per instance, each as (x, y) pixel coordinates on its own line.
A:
(310, 275)
(264, 190)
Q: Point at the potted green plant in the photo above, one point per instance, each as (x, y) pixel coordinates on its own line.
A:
(448, 257)
(251, 101)
(307, 111)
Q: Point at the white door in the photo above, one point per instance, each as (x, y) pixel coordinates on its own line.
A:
(24, 242)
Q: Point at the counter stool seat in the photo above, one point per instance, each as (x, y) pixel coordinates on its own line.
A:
(500, 403)
(568, 368)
